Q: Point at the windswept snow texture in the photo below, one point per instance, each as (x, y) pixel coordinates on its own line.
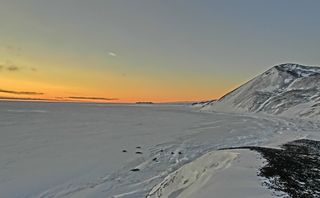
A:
(55, 150)
(190, 177)
(287, 90)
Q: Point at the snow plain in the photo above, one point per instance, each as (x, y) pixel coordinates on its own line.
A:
(76, 150)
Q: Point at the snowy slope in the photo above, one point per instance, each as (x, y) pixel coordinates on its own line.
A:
(288, 90)
(62, 150)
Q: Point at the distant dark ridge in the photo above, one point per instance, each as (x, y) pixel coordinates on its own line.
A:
(144, 103)
(294, 169)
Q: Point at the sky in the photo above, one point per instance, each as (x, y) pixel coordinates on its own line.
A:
(148, 50)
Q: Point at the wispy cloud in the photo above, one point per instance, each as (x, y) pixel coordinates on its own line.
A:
(11, 67)
(20, 92)
(23, 98)
(113, 54)
(90, 98)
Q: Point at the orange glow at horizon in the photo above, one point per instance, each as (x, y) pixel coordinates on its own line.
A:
(157, 51)
(154, 92)
(71, 81)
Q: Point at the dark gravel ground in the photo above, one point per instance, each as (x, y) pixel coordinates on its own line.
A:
(293, 170)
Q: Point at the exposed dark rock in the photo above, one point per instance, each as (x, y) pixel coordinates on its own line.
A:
(294, 169)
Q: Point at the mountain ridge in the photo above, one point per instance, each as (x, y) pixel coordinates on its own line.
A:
(288, 89)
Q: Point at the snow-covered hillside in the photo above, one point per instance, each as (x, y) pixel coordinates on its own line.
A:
(287, 90)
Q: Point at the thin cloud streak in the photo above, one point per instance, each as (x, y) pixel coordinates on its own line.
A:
(91, 98)
(11, 67)
(20, 92)
(22, 98)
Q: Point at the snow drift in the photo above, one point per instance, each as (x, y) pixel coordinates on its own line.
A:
(287, 90)
(190, 177)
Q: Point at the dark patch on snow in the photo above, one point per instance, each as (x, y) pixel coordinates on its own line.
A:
(139, 152)
(316, 105)
(135, 169)
(203, 103)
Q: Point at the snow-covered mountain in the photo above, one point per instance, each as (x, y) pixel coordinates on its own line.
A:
(288, 90)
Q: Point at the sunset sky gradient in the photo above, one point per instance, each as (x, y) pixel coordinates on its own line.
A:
(148, 50)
